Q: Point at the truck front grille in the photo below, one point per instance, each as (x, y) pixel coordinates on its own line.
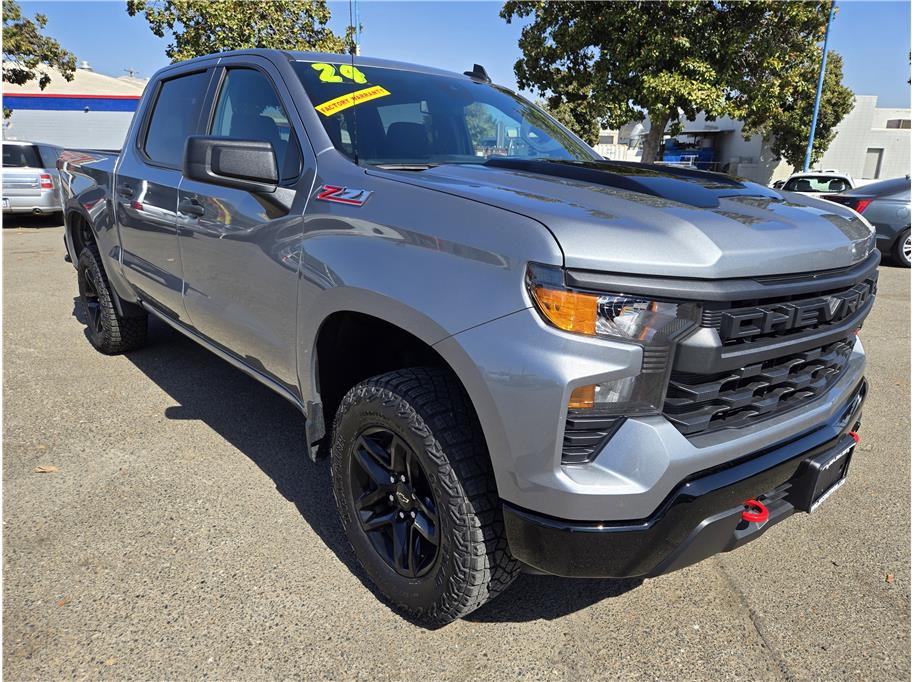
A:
(700, 403)
(744, 322)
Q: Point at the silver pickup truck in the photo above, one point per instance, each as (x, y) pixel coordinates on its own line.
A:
(517, 355)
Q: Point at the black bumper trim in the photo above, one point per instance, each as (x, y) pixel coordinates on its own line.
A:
(700, 517)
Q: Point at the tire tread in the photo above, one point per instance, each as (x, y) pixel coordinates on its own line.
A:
(436, 408)
(120, 334)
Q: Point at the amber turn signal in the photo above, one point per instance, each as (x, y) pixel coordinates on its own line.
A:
(567, 310)
(582, 398)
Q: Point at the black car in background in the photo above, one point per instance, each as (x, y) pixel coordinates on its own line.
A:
(886, 206)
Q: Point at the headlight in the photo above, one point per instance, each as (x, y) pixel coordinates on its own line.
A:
(652, 324)
(618, 316)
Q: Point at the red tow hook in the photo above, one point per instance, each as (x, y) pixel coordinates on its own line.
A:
(756, 512)
(855, 436)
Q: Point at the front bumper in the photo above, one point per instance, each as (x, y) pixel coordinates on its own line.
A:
(520, 390)
(701, 517)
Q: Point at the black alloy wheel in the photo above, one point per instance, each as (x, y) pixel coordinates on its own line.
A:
(394, 502)
(88, 293)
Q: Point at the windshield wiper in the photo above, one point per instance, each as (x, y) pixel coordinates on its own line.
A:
(405, 166)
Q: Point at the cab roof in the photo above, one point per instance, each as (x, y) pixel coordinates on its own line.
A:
(331, 57)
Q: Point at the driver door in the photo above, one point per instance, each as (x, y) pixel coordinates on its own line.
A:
(239, 251)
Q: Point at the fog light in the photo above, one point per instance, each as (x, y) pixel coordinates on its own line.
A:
(636, 395)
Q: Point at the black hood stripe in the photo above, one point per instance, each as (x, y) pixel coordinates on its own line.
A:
(700, 189)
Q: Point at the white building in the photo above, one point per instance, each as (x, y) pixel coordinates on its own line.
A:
(93, 111)
(870, 143)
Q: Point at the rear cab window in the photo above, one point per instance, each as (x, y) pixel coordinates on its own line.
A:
(174, 117)
(21, 156)
(822, 183)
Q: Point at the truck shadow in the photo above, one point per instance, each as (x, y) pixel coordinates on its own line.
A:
(29, 221)
(270, 431)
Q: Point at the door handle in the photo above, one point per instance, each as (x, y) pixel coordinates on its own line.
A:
(191, 207)
(125, 191)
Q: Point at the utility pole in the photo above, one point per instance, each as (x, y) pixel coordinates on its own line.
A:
(826, 39)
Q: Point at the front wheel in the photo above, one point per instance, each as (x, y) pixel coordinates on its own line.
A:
(108, 332)
(902, 250)
(415, 492)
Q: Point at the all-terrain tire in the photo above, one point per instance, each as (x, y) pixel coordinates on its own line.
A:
(108, 332)
(430, 412)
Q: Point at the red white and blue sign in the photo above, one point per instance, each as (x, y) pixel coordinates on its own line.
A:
(43, 101)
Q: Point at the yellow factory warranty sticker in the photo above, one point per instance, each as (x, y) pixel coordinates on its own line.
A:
(345, 101)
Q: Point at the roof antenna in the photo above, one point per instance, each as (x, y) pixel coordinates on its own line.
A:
(351, 50)
(478, 73)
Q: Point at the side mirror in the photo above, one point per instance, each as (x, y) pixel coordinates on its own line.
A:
(242, 164)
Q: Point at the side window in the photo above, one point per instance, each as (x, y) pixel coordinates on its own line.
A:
(249, 109)
(174, 117)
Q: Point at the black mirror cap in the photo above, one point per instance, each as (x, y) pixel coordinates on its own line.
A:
(242, 164)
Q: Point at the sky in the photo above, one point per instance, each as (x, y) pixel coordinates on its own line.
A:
(872, 36)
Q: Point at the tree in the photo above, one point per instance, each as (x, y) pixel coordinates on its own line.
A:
(27, 54)
(621, 61)
(789, 127)
(202, 27)
(580, 117)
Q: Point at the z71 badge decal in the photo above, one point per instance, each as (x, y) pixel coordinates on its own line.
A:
(343, 195)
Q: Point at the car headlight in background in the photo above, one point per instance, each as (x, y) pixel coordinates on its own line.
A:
(652, 324)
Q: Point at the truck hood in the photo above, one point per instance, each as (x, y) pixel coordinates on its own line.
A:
(656, 220)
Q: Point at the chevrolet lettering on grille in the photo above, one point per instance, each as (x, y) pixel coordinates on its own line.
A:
(782, 317)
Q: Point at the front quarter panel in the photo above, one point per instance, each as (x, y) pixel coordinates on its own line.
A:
(431, 263)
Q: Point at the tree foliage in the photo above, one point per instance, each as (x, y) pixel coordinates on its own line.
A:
(620, 61)
(789, 127)
(201, 27)
(581, 117)
(27, 54)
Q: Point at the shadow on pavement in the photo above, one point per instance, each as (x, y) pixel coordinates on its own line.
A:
(27, 220)
(270, 431)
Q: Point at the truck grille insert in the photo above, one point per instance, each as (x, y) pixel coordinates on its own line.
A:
(701, 403)
(744, 322)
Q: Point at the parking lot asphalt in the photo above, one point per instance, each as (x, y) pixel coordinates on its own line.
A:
(185, 536)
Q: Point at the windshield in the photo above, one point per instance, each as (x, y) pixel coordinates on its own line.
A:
(821, 183)
(391, 117)
(21, 156)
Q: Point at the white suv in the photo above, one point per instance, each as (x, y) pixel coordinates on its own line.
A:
(819, 182)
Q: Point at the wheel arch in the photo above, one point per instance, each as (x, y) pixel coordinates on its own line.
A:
(79, 232)
(396, 341)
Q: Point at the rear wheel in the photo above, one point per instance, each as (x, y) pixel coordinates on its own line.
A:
(416, 495)
(902, 250)
(108, 332)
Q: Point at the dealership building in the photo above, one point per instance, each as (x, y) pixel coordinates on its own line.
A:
(871, 143)
(92, 111)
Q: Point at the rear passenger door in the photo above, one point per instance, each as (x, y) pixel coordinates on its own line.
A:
(145, 190)
(239, 250)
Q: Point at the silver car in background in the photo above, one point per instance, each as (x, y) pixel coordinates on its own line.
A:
(885, 205)
(31, 183)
